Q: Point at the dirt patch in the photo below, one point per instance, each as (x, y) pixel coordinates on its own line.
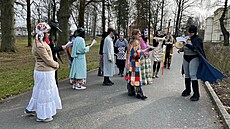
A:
(218, 55)
(222, 90)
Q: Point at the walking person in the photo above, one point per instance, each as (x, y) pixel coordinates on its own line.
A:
(145, 59)
(169, 41)
(157, 55)
(78, 69)
(120, 49)
(45, 97)
(195, 65)
(133, 67)
(108, 54)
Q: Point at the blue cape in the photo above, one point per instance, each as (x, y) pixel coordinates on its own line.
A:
(205, 72)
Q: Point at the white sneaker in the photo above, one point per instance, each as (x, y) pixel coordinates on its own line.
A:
(73, 86)
(44, 120)
(79, 87)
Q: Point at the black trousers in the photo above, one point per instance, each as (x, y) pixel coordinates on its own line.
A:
(167, 60)
(156, 66)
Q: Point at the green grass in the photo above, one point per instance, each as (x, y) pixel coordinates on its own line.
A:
(16, 69)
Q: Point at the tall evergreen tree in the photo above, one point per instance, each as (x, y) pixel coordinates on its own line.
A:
(122, 8)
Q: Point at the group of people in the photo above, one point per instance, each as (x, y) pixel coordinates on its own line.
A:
(133, 59)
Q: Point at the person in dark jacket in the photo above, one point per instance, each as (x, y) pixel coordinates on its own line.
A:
(52, 43)
(195, 65)
(100, 69)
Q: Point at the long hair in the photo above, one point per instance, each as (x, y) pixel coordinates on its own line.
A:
(135, 32)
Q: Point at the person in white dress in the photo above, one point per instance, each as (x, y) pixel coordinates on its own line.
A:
(45, 98)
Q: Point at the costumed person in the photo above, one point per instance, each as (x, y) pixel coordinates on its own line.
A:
(120, 50)
(68, 48)
(108, 54)
(145, 59)
(78, 70)
(169, 41)
(196, 66)
(45, 97)
(55, 48)
(100, 69)
(133, 67)
(157, 55)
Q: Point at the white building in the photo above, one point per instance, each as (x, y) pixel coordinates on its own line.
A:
(212, 26)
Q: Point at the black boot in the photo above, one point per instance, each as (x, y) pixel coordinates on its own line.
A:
(122, 72)
(106, 81)
(110, 81)
(99, 73)
(187, 90)
(119, 72)
(140, 94)
(131, 91)
(195, 88)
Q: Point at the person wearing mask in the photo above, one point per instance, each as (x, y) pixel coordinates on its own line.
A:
(195, 65)
(169, 41)
(45, 98)
(120, 50)
(108, 54)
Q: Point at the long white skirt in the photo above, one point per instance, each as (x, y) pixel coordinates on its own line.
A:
(45, 97)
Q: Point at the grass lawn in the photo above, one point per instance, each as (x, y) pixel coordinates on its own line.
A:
(16, 69)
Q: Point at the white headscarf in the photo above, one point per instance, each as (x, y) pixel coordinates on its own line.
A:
(41, 28)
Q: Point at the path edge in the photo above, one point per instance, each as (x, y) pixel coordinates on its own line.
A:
(218, 104)
(26, 92)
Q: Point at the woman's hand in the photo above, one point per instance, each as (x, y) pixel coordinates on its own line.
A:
(63, 46)
(93, 42)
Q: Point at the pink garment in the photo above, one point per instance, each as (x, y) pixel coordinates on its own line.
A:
(144, 45)
(47, 41)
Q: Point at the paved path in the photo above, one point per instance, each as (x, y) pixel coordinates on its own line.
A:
(100, 107)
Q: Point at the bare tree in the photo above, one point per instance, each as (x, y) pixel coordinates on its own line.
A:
(28, 20)
(182, 5)
(7, 26)
(223, 28)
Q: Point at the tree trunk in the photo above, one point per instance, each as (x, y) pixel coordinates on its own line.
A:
(63, 16)
(54, 10)
(149, 24)
(178, 18)
(162, 14)
(81, 17)
(28, 19)
(103, 16)
(155, 20)
(108, 7)
(7, 26)
(95, 23)
(223, 29)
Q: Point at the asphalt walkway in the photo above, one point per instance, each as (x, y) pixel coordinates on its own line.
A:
(109, 107)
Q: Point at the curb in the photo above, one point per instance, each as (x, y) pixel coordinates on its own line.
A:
(219, 106)
(92, 70)
(21, 94)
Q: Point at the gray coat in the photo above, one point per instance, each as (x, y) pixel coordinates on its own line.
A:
(108, 52)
